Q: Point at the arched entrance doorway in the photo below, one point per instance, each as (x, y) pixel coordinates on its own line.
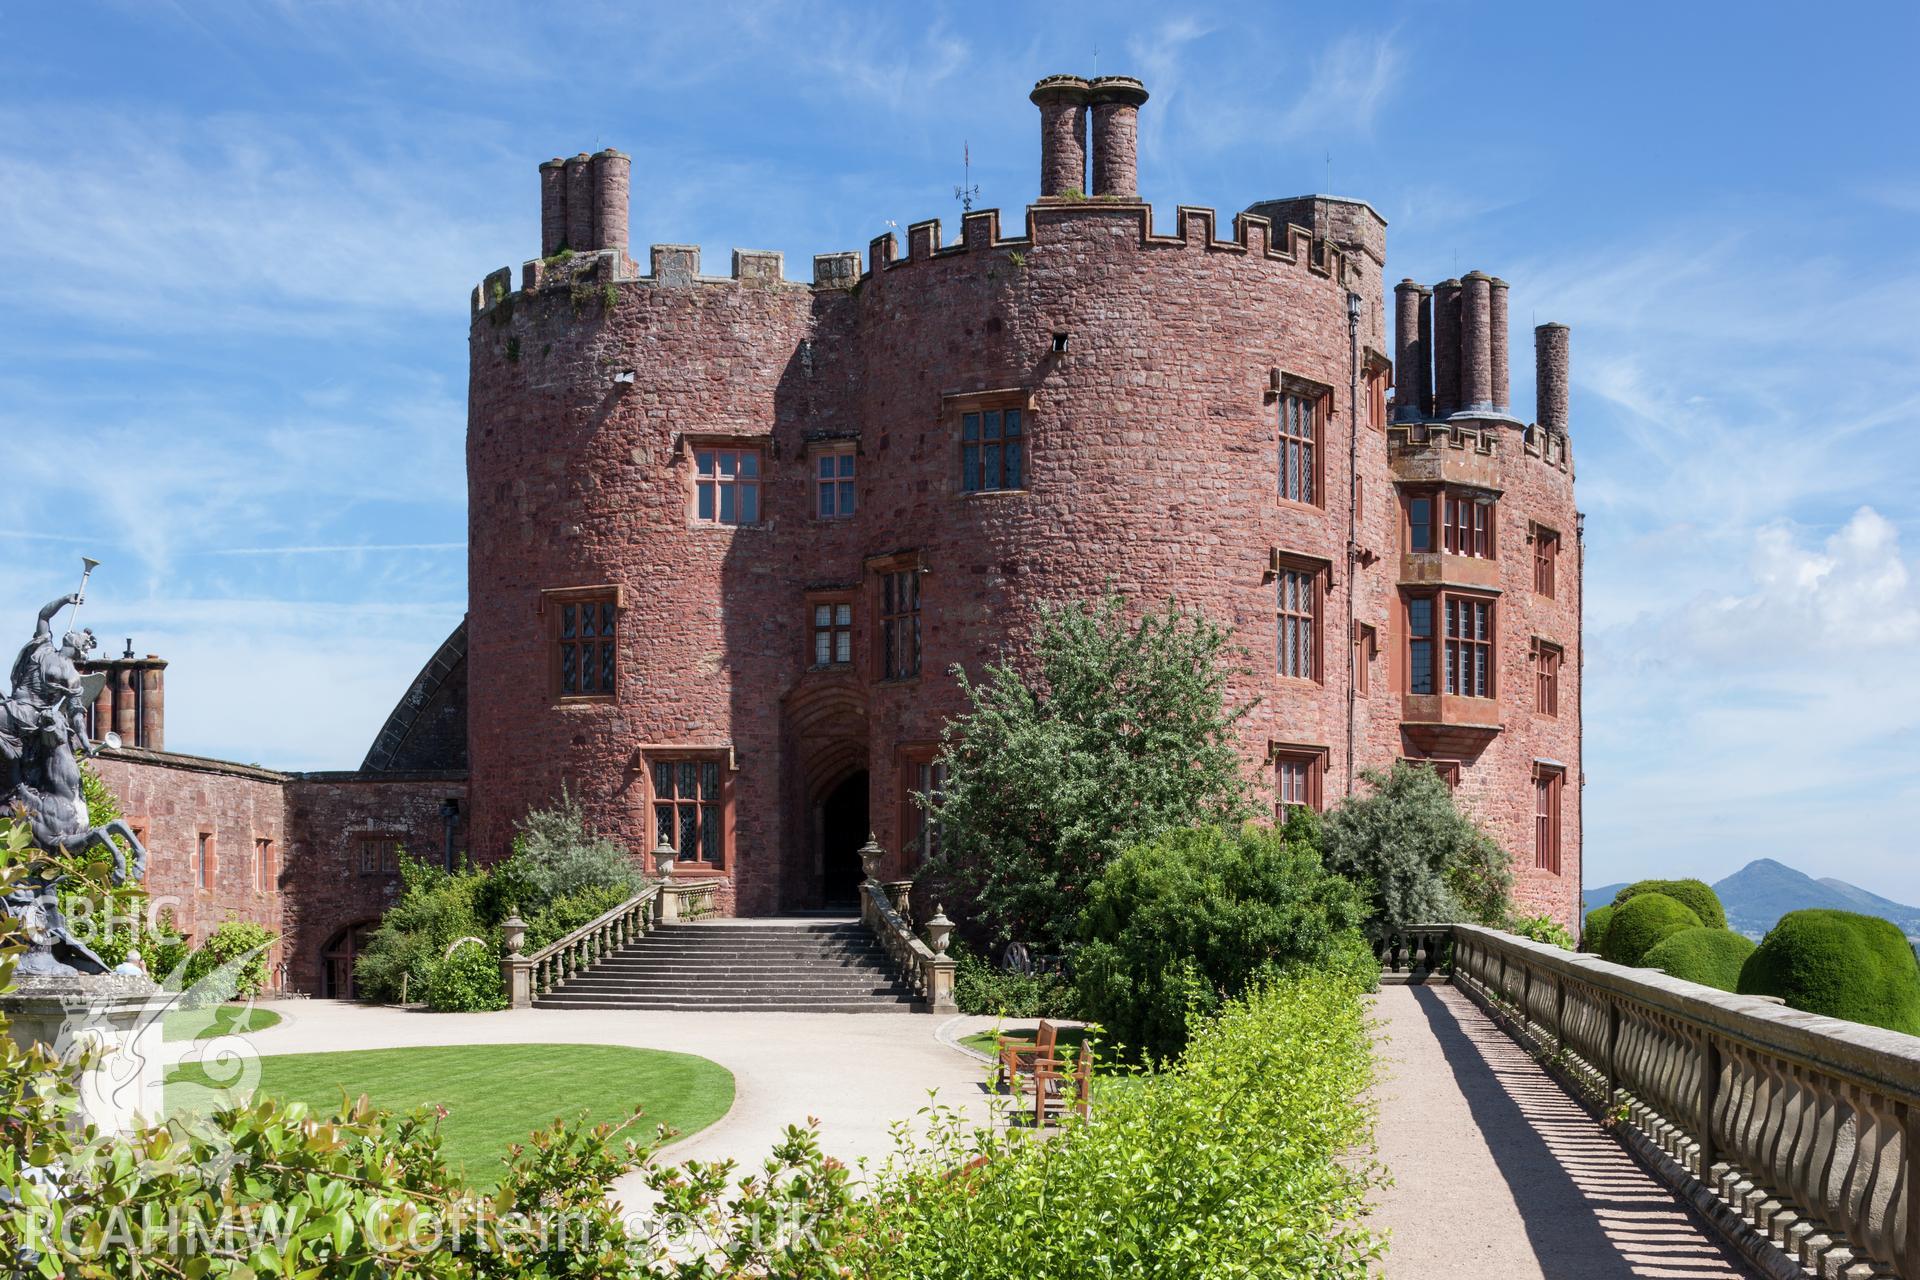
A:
(843, 829)
(337, 957)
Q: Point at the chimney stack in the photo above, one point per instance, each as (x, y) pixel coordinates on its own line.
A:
(1476, 343)
(132, 702)
(1063, 134)
(1413, 351)
(583, 203)
(1550, 376)
(1116, 135)
(1446, 348)
(1497, 345)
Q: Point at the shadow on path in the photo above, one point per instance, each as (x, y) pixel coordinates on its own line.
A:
(1586, 1208)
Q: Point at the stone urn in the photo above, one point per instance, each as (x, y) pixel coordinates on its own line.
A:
(513, 933)
(871, 856)
(939, 931)
(663, 859)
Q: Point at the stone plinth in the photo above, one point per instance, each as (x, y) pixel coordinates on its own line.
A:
(118, 1014)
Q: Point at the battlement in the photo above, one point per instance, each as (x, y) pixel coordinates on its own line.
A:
(1410, 440)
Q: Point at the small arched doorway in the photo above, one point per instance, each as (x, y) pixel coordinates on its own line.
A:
(843, 829)
(337, 957)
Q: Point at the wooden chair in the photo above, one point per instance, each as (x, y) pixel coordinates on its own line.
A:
(1054, 1091)
(1017, 1058)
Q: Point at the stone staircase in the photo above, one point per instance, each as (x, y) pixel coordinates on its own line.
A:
(800, 965)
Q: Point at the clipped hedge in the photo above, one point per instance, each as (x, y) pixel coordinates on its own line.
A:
(1641, 923)
(1236, 1161)
(1710, 957)
(1840, 964)
(1595, 930)
(1696, 896)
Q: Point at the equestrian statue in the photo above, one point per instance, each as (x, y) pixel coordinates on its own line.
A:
(43, 735)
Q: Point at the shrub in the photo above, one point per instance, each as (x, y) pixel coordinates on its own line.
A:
(1642, 922)
(1595, 930)
(1236, 1161)
(1117, 732)
(230, 964)
(435, 907)
(1710, 957)
(563, 915)
(466, 979)
(555, 856)
(982, 987)
(1839, 964)
(1425, 861)
(1542, 929)
(1176, 927)
(1696, 895)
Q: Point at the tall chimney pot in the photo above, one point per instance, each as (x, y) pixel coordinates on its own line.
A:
(1063, 134)
(1116, 135)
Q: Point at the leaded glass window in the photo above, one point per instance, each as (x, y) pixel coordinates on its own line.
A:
(688, 809)
(587, 646)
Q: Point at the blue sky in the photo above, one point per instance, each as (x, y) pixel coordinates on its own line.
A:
(238, 240)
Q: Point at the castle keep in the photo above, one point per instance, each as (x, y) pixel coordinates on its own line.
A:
(729, 532)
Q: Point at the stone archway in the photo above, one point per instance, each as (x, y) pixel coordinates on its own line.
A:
(336, 960)
(826, 726)
(844, 822)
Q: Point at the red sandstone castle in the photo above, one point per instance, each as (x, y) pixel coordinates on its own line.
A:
(729, 534)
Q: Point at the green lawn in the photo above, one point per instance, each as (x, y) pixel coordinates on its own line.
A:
(988, 1042)
(495, 1094)
(218, 1020)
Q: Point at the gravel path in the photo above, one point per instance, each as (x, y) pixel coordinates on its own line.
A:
(1498, 1172)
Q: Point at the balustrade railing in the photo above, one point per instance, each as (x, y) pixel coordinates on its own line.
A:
(1413, 953)
(926, 970)
(528, 976)
(1799, 1128)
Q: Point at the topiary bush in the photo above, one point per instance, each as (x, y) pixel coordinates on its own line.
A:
(1840, 964)
(1176, 927)
(1595, 928)
(1641, 923)
(1710, 957)
(1696, 895)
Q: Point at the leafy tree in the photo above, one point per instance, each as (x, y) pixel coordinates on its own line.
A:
(1178, 926)
(1424, 860)
(235, 942)
(1117, 731)
(435, 907)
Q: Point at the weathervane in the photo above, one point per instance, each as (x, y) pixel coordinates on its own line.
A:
(967, 192)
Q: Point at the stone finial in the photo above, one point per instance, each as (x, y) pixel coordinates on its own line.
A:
(663, 859)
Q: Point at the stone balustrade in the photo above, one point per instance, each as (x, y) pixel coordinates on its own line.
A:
(926, 968)
(661, 902)
(1793, 1133)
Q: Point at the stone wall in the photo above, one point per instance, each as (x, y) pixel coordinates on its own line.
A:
(1147, 361)
(312, 822)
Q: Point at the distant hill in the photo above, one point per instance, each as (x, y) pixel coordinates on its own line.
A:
(1758, 894)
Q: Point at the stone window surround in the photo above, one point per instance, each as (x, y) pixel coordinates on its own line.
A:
(1313, 756)
(1547, 659)
(1439, 535)
(549, 607)
(1320, 569)
(833, 447)
(1283, 386)
(1549, 787)
(1440, 594)
(1546, 557)
(878, 567)
(956, 404)
(915, 827)
(648, 755)
(689, 445)
(830, 597)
